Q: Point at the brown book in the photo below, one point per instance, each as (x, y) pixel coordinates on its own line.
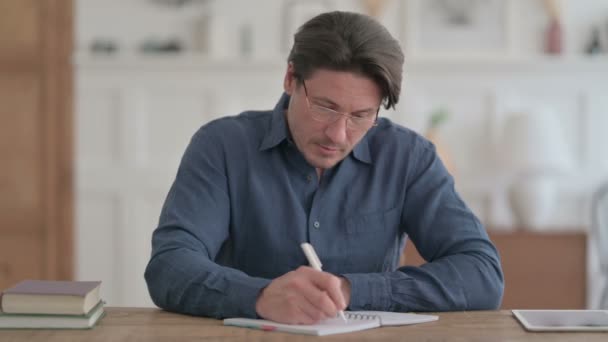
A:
(51, 297)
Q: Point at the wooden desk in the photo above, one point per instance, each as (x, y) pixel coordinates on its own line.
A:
(137, 324)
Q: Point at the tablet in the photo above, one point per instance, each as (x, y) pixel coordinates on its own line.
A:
(563, 320)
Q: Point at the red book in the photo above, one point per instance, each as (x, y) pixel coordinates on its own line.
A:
(51, 297)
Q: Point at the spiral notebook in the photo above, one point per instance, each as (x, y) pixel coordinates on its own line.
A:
(356, 321)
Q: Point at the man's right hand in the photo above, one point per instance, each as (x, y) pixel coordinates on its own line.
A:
(303, 296)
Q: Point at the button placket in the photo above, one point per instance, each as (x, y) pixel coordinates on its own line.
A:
(314, 216)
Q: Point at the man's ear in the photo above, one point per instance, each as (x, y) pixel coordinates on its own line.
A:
(289, 83)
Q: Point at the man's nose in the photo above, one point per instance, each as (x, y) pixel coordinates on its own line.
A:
(336, 130)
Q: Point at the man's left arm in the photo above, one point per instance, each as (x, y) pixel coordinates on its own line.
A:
(463, 272)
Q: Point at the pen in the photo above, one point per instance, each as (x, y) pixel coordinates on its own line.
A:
(315, 263)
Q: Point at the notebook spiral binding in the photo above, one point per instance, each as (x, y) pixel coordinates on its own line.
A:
(361, 317)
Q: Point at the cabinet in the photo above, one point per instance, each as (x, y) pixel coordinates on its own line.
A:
(543, 270)
(35, 140)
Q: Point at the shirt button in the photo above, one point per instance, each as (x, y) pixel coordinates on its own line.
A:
(316, 224)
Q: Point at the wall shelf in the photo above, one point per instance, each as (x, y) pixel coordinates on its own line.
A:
(538, 63)
(175, 61)
(200, 61)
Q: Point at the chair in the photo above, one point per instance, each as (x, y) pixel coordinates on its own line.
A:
(599, 231)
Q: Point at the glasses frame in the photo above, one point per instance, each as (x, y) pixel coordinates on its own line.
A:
(349, 117)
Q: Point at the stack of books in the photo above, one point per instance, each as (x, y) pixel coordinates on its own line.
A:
(47, 304)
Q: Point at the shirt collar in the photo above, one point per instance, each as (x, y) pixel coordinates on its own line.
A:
(361, 151)
(279, 131)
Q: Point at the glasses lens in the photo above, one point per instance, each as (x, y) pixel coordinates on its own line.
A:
(326, 115)
(323, 114)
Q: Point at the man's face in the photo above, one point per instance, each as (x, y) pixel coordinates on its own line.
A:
(326, 143)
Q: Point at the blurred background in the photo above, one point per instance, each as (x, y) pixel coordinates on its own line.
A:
(98, 99)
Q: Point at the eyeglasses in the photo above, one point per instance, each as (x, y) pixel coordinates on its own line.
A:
(357, 122)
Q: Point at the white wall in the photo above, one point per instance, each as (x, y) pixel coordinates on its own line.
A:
(136, 113)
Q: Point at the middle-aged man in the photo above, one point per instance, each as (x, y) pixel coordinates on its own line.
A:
(320, 168)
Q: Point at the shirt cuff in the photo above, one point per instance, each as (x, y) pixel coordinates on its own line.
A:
(368, 292)
(245, 295)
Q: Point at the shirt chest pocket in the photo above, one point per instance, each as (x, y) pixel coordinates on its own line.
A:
(373, 223)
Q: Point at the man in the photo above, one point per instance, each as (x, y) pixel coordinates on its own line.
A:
(320, 168)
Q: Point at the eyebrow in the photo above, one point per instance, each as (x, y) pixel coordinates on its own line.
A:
(332, 103)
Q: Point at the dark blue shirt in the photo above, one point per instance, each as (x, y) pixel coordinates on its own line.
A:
(244, 199)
